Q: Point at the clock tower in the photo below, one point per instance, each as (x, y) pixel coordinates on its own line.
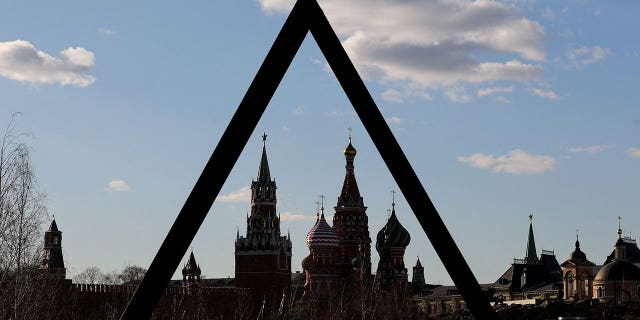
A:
(263, 256)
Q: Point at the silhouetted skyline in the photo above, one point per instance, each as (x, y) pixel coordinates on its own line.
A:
(503, 109)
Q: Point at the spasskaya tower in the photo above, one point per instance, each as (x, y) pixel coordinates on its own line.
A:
(263, 256)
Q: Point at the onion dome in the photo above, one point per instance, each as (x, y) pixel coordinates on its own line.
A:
(322, 235)
(618, 270)
(191, 268)
(350, 151)
(307, 262)
(397, 234)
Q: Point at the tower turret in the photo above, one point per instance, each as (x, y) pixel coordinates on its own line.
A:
(350, 221)
(263, 255)
(52, 261)
(417, 281)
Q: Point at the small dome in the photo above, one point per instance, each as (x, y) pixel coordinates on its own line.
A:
(398, 235)
(307, 262)
(618, 270)
(322, 235)
(350, 151)
(577, 254)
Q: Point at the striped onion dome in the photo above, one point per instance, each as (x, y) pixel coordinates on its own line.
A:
(322, 235)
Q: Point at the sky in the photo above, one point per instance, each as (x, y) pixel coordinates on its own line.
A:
(503, 108)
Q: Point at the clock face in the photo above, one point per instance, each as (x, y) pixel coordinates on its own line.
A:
(257, 223)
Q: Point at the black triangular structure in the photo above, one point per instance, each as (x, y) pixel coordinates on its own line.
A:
(305, 16)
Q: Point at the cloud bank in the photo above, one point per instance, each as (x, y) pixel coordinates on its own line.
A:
(22, 61)
(434, 43)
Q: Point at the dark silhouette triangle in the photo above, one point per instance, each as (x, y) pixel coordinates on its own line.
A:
(305, 16)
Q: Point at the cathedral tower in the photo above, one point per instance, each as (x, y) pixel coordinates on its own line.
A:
(391, 243)
(191, 274)
(350, 221)
(52, 261)
(263, 256)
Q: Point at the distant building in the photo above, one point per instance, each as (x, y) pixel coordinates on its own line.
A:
(263, 255)
(391, 243)
(618, 280)
(52, 261)
(578, 274)
(531, 277)
(341, 255)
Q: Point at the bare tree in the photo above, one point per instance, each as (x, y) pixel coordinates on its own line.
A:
(22, 212)
(90, 275)
(132, 274)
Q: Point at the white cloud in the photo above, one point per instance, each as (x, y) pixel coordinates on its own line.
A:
(514, 162)
(489, 91)
(106, 32)
(395, 120)
(502, 99)
(117, 185)
(547, 94)
(408, 94)
(392, 95)
(290, 216)
(588, 149)
(300, 111)
(22, 61)
(587, 55)
(241, 195)
(457, 95)
(634, 152)
(434, 43)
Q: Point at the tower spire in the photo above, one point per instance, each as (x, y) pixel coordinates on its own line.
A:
(263, 170)
(531, 253)
(350, 195)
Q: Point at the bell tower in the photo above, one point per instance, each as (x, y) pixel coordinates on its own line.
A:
(263, 256)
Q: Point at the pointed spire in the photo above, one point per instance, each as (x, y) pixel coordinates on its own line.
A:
(418, 264)
(531, 243)
(263, 170)
(350, 194)
(54, 225)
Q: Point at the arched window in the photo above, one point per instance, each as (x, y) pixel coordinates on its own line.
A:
(569, 282)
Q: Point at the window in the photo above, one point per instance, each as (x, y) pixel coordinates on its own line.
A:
(600, 292)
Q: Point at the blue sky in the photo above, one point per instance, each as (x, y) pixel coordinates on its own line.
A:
(503, 108)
